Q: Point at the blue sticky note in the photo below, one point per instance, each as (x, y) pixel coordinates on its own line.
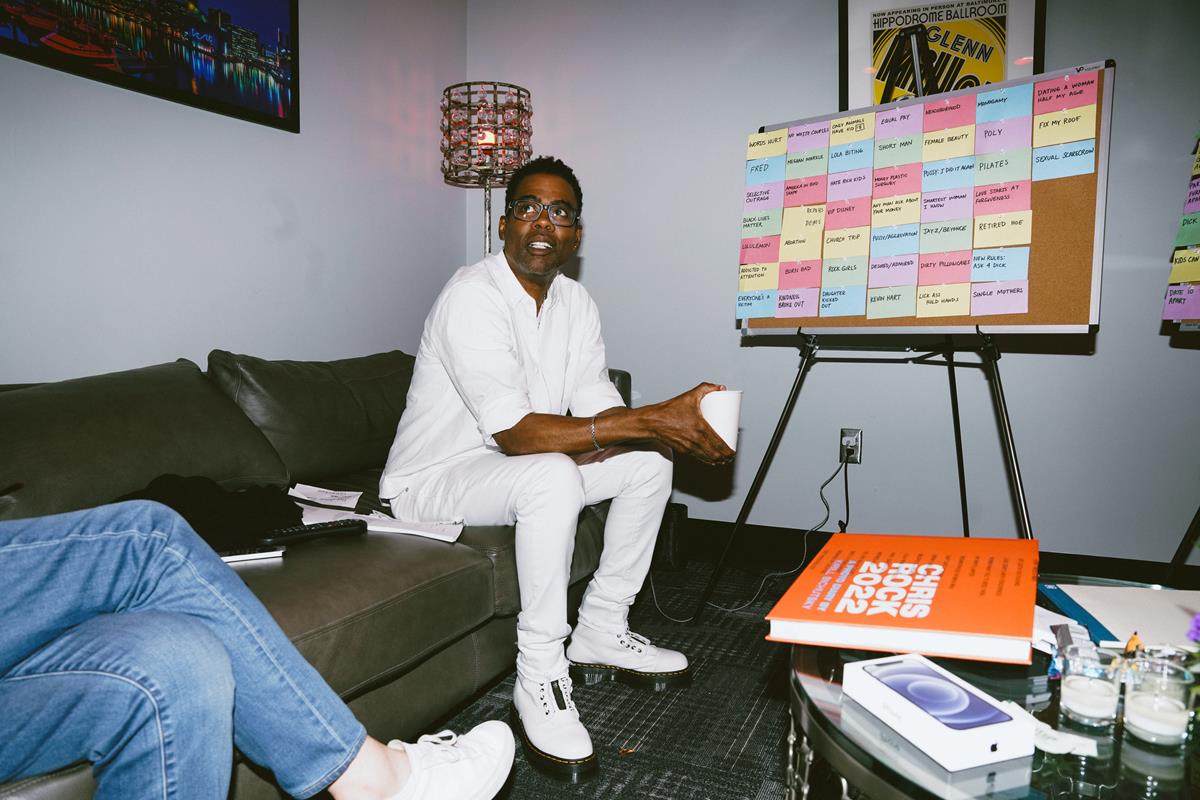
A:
(852, 155)
(1014, 101)
(896, 240)
(844, 301)
(765, 170)
(950, 173)
(1064, 160)
(1000, 264)
(755, 305)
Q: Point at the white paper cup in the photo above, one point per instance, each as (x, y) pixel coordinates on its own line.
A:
(721, 410)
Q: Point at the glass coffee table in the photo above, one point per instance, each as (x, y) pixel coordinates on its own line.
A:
(868, 759)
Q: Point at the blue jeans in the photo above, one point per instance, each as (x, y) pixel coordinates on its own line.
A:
(125, 641)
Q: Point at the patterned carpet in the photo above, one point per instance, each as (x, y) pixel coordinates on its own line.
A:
(722, 738)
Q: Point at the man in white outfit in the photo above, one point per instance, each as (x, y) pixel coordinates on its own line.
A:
(508, 349)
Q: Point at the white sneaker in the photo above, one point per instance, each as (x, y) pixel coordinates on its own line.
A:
(627, 657)
(446, 766)
(554, 739)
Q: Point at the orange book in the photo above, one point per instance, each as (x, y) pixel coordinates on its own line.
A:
(934, 595)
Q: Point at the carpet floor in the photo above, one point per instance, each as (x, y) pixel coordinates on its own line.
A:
(722, 738)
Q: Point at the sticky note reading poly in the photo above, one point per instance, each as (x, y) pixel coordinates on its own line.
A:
(903, 150)
(1064, 160)
(895, 241)
(893, 271)
(846, 243)
(851, 156)
(1070, 125)
(852, 129)
(1189, 231)
(1182, 302)
(854, 213)
(763, 196)
(892, 301)
(946, 205)
(755, 305)
(844, 271)
(1005, 134)
(1000, 198)
(765, 145)
(998, 230)
(757, 276)
(805, 191)
(954, 173)
(901, 210)
(799, 274)
(760, 250)
(891, 181)
(948, 300)
(949, 143)
(1069, 91)
(1006, 166)
(798, 302)
(812, 136)
(898, 122)
(1014, 101)
(762, 223)
(945, 237)
(806, 164)
(949, 113)
(1006, 297)
(764, 170)
(1000, 264)
(844, 185)
(944, 268)
(1185, 266)
(843, 301)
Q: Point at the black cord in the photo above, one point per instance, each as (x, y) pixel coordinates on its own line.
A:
(842, 523)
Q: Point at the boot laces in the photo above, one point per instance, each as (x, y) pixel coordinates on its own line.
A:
(634, 641)
(439, 747)
(556, 699)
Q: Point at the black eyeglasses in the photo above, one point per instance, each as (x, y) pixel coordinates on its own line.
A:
(561, 214)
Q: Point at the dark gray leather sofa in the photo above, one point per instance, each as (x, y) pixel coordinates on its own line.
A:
(406, 629)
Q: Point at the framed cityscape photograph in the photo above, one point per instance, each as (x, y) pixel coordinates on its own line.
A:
(971, 42)
(238, 59)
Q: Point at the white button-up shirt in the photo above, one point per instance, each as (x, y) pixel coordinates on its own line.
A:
(487, 358)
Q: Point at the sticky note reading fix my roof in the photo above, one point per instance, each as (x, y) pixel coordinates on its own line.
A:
(999, 230)
(946, 300)
(1069, 125)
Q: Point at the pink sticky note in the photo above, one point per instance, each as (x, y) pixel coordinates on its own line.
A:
(891, 181)
(893, 271)
(798, 302)
(764, 195)
(799, 274)
(1001, 297)
(1182, 302)
(899, 122)
(804, 191)
(1000, 198)
(945, 268)
(808, 137)
(853, 213)
(949, 113)
(1069, 91)
(844, 185)
(1192, 204)
(947, 204)
(1004, 134)
(760, 250)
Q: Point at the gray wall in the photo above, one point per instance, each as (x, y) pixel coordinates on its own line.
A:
(651, 102)
(135, 231)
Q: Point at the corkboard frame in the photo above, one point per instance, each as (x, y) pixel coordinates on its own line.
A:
(1065, 261)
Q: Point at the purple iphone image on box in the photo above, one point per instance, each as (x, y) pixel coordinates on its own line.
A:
(945, 701)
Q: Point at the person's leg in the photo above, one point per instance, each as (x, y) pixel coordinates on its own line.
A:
(146, 697)
(638, 479)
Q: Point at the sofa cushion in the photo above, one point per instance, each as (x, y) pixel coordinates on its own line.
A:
(84, 442)
(323, 417)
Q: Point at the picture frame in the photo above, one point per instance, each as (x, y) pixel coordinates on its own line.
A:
(241, 60)
(968, 43)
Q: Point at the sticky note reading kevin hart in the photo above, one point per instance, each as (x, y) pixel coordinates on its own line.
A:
(891, 301)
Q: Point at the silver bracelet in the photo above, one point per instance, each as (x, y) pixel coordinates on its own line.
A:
(592, 430)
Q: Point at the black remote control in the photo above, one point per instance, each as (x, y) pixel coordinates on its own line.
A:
(302, 533)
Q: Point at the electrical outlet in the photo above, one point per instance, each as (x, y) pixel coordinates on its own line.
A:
(850, 446)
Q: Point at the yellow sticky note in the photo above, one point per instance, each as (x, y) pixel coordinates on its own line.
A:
(852, 129)
(949, 143)
(904, 209)
(765, 145)
(1185, 266)
(847, 242)
(752, 277)
(800, 239)
(999, 230)
(944, 300)
(1196, 164)
(1068, 125)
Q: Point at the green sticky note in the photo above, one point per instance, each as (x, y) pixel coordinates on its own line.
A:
(1007, 166)
(896, 152)
(844, 271)
(806, 163)
(895, 301)
(762, 223)
(947, 237)
(1189, 231)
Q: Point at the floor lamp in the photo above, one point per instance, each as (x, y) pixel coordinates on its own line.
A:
(485, 137)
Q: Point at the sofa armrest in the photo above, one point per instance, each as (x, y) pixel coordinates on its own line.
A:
(624, 383)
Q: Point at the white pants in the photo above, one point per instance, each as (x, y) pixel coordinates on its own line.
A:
(543, 495)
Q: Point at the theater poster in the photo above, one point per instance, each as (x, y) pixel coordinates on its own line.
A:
(972, 43)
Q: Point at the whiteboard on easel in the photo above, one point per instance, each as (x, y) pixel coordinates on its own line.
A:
(980, 208)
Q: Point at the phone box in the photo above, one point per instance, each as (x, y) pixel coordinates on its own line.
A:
(942, 715)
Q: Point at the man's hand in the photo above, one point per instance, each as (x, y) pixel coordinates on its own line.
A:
(678, 424)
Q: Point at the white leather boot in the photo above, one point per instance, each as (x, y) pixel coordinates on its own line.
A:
(627, 657)
(555, 741)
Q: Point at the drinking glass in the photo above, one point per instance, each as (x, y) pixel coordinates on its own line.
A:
(1091, 684)
(1158, 701)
